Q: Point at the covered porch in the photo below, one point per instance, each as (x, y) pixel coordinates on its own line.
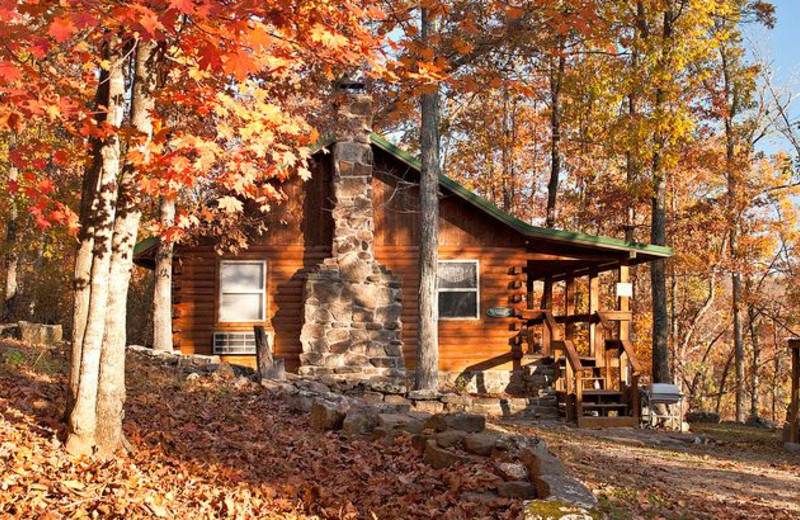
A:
(571, 306)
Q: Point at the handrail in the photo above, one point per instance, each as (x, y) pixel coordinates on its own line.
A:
(627, 347)
(571, 354)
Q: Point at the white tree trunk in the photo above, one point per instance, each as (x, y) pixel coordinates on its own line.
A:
(162, 296)
(111, 390)
(83, 417)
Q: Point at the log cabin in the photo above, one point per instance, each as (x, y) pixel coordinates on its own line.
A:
(334, 281)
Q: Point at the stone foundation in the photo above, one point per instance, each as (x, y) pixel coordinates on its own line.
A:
(353, 304)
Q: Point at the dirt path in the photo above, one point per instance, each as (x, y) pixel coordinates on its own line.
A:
(720, 471)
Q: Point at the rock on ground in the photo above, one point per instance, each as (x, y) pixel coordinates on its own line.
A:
(464, 422)
(516, 489)
(325, 415)
(480, 443)
(439, 458)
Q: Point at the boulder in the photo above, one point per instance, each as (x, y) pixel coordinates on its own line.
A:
(513, 445)
(402, 422)
(564, 489)
(440, 458)
(540, 462)
(325, 415)
(360, 421)
(40, 334)
(760, 422)
(312, 386)
(388, 386)
(517, 489)
(464, 422)
(553, 510)
(221, 371)
(511, 471)
(480, 443)
(300, 402)
(428, 406)
(449, 438)
(373, 397)
(703, 416)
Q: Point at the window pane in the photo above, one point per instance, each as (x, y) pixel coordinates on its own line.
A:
(458, 304)
(458, 275)
(241, 276)
(240, 307)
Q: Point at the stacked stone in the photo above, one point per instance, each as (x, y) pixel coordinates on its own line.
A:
(353, 304)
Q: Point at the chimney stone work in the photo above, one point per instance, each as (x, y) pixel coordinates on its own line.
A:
(353, 304)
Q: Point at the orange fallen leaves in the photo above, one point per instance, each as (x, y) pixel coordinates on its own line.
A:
(206, 450)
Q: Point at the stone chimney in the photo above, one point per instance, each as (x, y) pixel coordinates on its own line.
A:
(353, 304)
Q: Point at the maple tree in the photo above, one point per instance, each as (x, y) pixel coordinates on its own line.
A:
(212, 104)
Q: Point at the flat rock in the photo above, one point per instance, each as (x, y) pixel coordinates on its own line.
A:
(511, 471)
(403, 422)
(540, 462)
(480, 443)
(300, 402)
(39, 333)
(517, 489)
(514, 445)
(464, 422)
(553, 510)
(440, 458)
(564, 489)
(449, 438)
(325, 415)
(360, 421)
(429, 406)
(309, 385)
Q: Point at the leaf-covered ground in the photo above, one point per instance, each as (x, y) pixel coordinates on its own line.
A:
(205, 449)
(734, 472)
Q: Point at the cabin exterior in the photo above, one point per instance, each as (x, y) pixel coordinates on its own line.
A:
(334, 281)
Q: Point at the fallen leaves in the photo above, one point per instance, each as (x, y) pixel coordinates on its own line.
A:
(204, 449)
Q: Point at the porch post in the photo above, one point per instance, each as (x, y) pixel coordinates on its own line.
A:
(595, 350)
(569, 308)
(624, 305)
(547, 304)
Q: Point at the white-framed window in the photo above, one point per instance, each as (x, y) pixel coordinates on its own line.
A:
(242, 291)
(458, 285)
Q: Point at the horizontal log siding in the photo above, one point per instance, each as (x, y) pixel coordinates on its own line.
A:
(302, 240)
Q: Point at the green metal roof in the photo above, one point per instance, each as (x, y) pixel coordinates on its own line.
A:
(523, 227)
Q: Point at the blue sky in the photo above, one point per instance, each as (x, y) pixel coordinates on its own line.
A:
(782, 46)
(784, 39)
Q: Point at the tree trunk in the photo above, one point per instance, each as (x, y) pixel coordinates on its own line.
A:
(556, 81)
(111, 391)
(658, 234)
(82, 422)
(753, 319)
(81, 279)
(11, 243)
(427, 371)
(722, 381)
(162, 297)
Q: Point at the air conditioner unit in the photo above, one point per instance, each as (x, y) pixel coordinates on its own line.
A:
(236, 343)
